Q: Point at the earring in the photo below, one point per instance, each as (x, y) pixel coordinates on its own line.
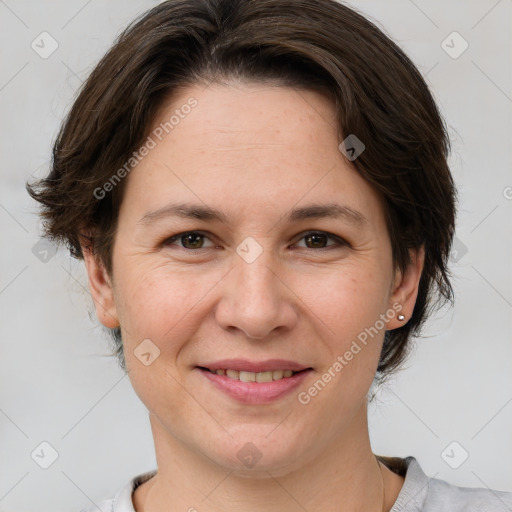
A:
(401, 318)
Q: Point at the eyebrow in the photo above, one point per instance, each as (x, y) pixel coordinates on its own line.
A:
(203, 212)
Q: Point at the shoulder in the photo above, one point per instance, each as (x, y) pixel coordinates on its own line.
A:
(122, 501)
(421, 493)
(443, 496)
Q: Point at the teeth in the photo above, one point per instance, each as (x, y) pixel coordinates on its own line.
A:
(247, 377)
(233, 374)
(255, 377)
(264, 377)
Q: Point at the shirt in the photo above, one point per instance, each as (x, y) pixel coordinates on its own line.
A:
(419, 493)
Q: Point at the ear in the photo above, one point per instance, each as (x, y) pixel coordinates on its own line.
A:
(101, 289)
(405, 289)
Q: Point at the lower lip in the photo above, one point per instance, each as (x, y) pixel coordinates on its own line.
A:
(256, 392)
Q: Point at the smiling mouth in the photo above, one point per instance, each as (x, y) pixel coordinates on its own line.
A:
(243, 376)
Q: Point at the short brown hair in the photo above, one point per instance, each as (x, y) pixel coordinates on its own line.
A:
(323, 45)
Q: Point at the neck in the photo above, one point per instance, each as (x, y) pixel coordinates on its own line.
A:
(344, 476)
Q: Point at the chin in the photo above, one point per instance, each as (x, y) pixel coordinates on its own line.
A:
(256, 454)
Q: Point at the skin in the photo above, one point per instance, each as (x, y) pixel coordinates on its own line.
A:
(255, 152)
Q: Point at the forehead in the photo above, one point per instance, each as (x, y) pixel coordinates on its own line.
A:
(247, 117)
(249, 145)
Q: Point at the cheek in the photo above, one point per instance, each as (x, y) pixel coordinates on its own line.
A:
(351, 334)
(159, 302)
(347, 299)
(350, 307)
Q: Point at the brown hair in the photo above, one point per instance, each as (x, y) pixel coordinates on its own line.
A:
(323, 45)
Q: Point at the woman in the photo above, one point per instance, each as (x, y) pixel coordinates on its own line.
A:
(261, 196)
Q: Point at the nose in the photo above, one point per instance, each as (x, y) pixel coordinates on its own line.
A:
(256, 300)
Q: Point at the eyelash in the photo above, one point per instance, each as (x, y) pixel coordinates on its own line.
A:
(339, 241)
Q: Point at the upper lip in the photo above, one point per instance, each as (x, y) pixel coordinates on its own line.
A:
(254, 366)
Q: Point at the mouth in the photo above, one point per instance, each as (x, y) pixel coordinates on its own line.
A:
(254, 383)
(245, 376)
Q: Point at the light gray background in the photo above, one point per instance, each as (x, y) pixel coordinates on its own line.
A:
(57, 385)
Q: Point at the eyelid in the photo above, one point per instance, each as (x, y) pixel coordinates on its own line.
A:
(340, 242)
(178, 236)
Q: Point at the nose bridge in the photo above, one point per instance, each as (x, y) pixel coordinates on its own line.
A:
(257, 285)
(257, 280)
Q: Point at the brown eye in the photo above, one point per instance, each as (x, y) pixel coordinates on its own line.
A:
(192, 240)
(319, 240)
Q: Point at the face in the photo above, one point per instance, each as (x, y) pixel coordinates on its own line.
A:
(247, 242)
